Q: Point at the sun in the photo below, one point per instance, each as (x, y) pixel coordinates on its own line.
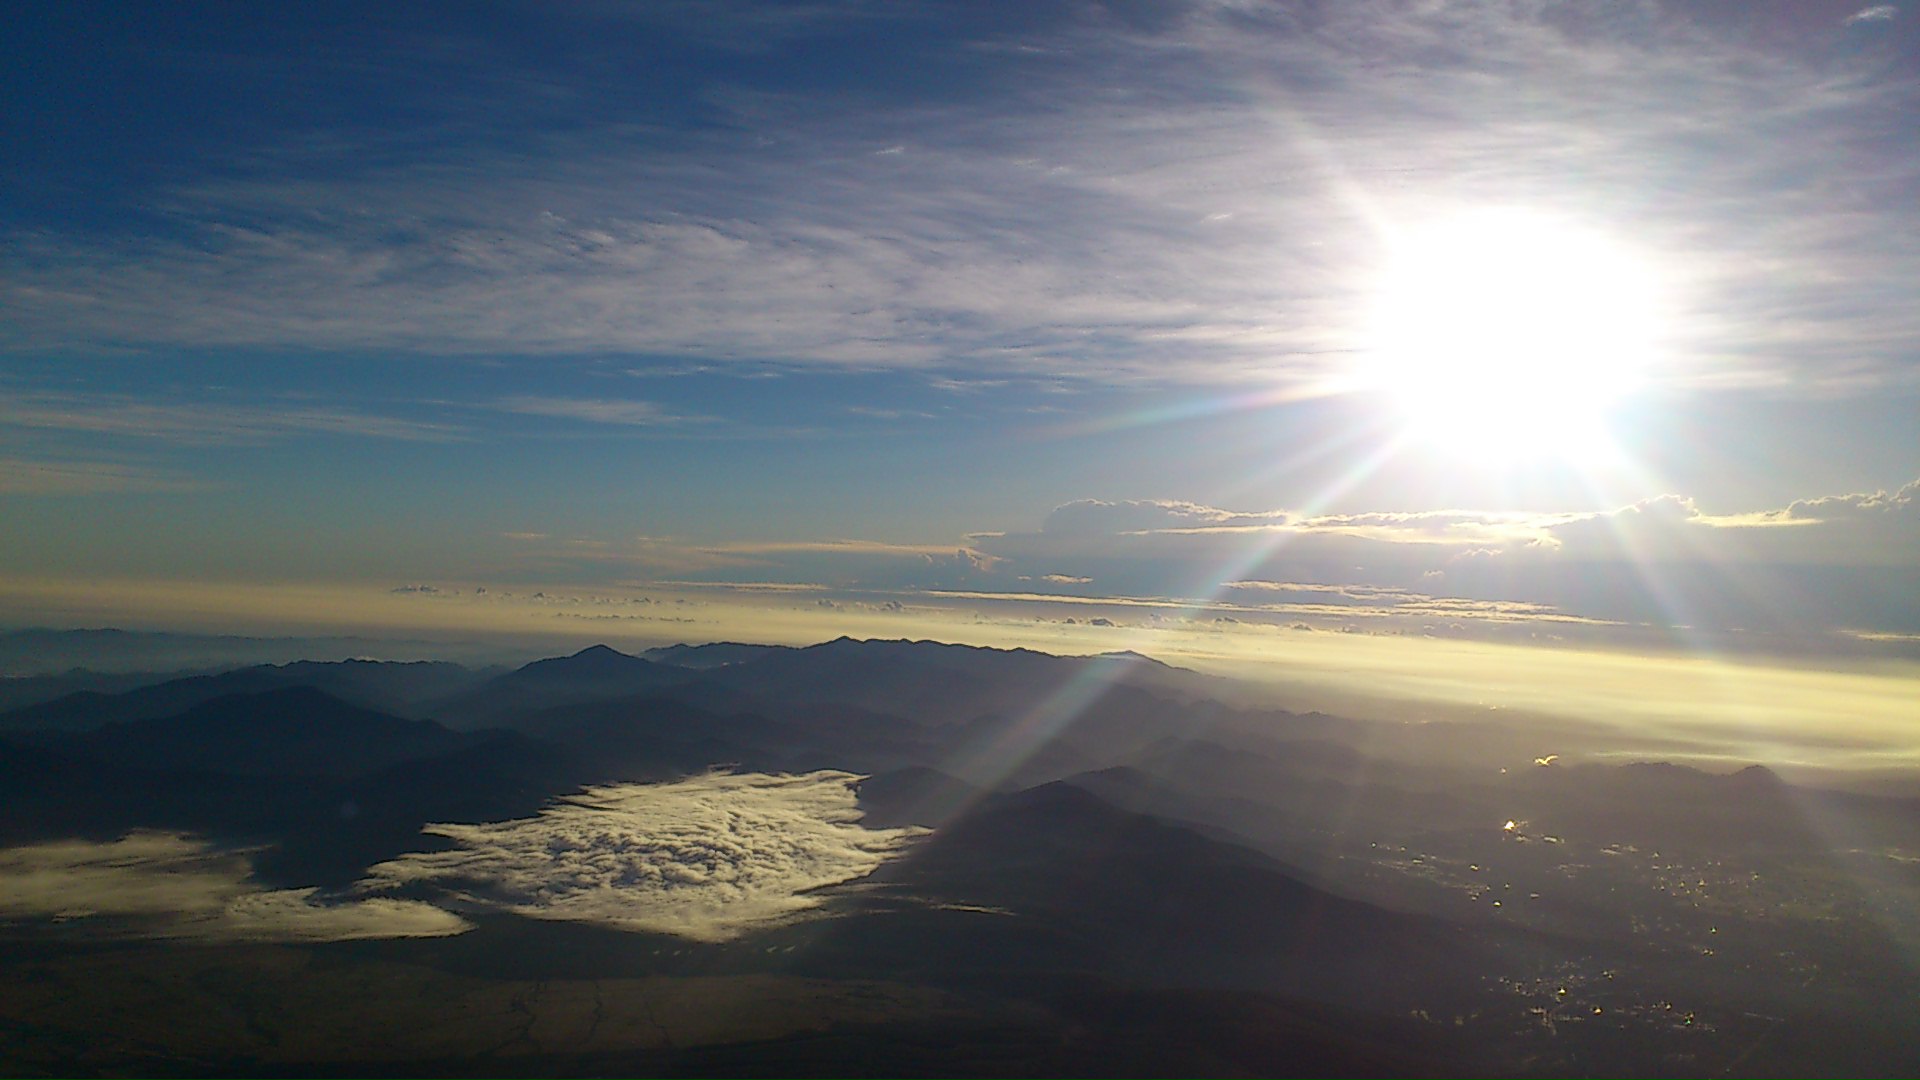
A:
(1511, 336)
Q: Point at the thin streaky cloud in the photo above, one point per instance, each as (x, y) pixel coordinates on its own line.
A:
(1877, 13)
(627, 412)
(53, 476)
(1047, 229)
(205, 424)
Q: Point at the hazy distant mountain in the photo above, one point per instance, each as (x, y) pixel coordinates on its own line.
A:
(42, 652)
(1655, 803)
(717, 654)
(19, 691)
(391, 686)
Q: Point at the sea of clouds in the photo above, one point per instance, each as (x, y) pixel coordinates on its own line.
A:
(708, 858)
(170, 885)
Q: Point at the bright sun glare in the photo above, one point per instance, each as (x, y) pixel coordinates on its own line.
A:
(1509, 336)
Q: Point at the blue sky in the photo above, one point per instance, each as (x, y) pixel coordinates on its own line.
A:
(895, 300)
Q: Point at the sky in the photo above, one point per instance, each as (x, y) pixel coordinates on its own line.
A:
(1549, 324)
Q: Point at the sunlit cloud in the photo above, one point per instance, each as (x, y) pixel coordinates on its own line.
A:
(1085, 516)
(1876, 13)
(167, 885)
(709, 858)
(1811, 568)
(1872, 506)
(1782, 574)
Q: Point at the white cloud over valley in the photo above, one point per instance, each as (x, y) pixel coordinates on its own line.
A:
(167, 885)
(709, 858)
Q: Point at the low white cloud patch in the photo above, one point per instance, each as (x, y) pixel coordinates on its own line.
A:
(166, 885)
(709, 858)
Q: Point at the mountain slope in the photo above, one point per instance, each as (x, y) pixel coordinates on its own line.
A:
(597, 673)
(385, 685)
(1055, 880)
(290, 731)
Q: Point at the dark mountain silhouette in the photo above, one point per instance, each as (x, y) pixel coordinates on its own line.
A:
(291, 731)
(51, 794)
(597, 673)
(42, 651)
(386, 685)
(1660, 802)
(927, 682)
(19, 691)
(915, 796)
(1079, 884)
(594, 665)
(316, 830)
(654, 735)
(343, 826)
(717, 654)
(1004, 717)
(655, 738)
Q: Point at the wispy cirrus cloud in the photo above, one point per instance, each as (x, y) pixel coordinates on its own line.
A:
(1225, 224)
(208, 424)
(845, 562)
(1876, 13)
(626, 412)
(57, 476)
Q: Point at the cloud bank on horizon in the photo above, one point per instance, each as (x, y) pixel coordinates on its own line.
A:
(1836, 563)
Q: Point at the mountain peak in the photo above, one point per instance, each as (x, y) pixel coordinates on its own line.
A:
(1130, 657)
(592, 662)
(1758, 776)
(601, 652)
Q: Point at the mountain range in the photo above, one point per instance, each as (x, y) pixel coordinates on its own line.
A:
(1029, 830)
